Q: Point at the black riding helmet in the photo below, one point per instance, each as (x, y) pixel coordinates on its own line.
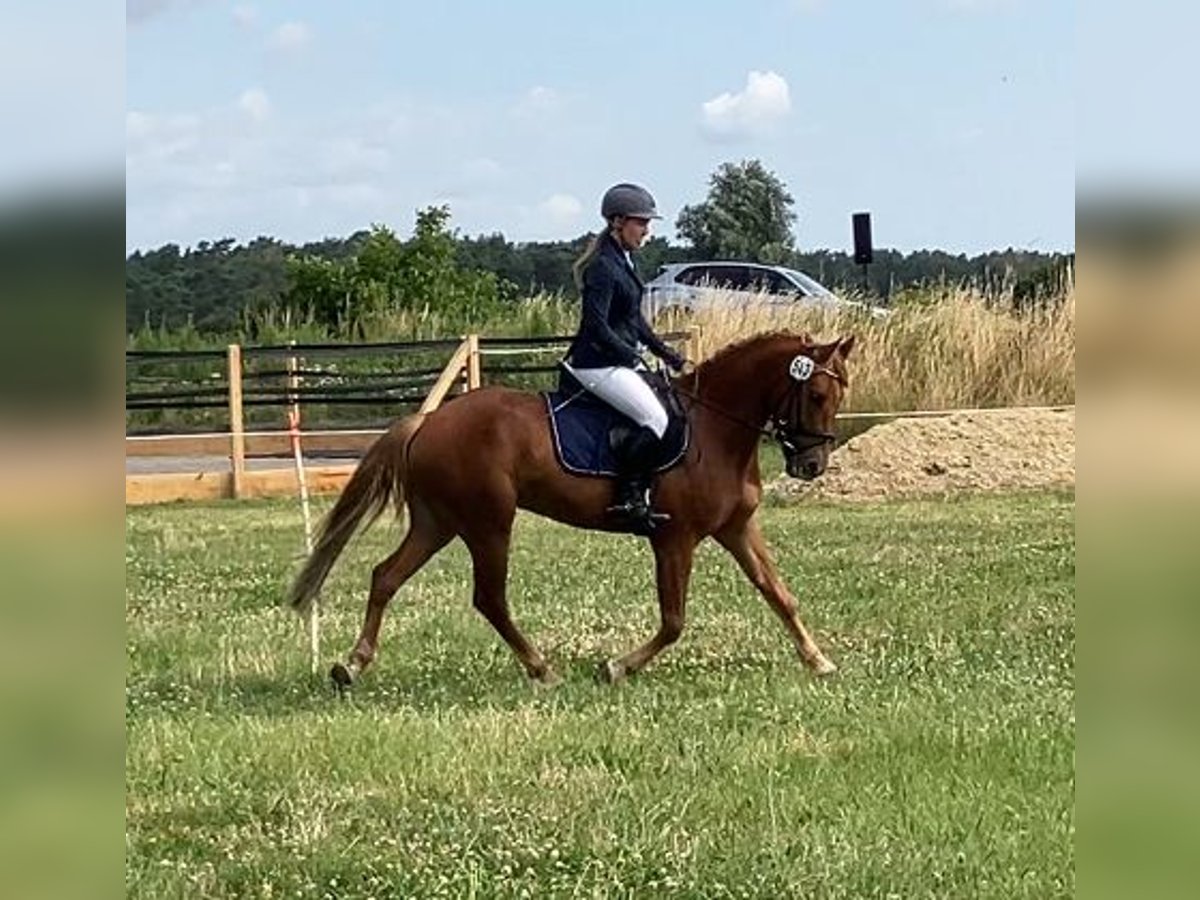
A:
(628, 200)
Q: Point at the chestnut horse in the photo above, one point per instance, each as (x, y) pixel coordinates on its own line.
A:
(466, 468)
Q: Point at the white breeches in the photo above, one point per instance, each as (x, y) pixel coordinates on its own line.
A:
(624, 390)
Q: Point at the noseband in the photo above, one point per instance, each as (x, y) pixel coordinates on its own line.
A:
(779, 424)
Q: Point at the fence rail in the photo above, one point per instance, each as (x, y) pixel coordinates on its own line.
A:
(187, 404)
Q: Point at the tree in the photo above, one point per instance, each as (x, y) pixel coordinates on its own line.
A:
(354, 295)
(747, 216)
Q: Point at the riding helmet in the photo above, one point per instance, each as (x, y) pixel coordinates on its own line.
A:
(628, 200)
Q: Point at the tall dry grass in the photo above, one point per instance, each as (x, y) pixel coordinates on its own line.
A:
(956, 351)
(939, 349)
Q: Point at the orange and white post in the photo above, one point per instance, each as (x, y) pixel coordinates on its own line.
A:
(314, 614)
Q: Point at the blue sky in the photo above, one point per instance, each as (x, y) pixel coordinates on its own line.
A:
(952, 121)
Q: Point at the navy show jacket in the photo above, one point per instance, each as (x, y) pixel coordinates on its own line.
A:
(612, 325)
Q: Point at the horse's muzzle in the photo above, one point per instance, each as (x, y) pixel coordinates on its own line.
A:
(805, 468)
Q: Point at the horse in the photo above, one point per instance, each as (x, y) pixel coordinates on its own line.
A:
(464, 469)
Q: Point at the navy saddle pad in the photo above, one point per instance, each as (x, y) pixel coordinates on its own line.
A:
(579, 427)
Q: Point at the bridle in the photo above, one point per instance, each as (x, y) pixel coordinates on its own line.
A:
(779, 427)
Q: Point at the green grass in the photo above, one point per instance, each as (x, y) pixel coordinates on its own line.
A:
(939, 762)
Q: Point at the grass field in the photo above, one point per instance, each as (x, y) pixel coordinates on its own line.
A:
(939, 762)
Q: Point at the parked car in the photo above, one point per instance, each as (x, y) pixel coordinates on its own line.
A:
(701, 285)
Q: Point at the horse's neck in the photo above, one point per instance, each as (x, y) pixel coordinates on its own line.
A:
(740, 390)
(745, 383)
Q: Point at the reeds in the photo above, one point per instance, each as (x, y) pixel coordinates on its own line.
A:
(955, 349)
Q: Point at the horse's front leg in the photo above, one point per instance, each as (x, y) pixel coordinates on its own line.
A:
(673, 567)
(745, 541)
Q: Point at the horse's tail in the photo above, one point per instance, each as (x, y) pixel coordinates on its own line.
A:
(378, 479)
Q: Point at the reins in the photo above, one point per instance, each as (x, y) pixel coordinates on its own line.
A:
(777, 427)
(737, 420)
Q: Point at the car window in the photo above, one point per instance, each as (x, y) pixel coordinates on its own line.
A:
(739, 278)
(731, 278)
(756, 280)
(781, 285)
(808, 286)
(771, 282)
(708, 276)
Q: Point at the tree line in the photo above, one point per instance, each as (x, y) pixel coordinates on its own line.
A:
(343, 283)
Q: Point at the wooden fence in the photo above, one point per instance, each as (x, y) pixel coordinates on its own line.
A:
(463, 372)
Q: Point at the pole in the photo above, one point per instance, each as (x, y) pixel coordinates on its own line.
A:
(314, 614)
(237, 433)
(694, 346)
(474, 371)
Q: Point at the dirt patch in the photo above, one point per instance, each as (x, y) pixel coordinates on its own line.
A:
(992, 451)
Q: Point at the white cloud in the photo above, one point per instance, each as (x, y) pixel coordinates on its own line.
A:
(138, 126)
(355, 158)
(138, 11)
(255, 104)
(764, 101)
(481, 170)
(291, 36)
(151, 139)
(224, 170)
(969, 135)
(560, 209)
(246, 16)
(538, 102)
(468, 182)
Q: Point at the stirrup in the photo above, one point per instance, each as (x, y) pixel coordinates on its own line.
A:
(637, 518)
(644, 526)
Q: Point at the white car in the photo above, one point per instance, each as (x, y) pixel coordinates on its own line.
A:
(702, 285)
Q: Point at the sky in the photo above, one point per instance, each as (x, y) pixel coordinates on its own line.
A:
(951, 121)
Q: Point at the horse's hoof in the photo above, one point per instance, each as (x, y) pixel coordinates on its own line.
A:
(824, 668)
(547, 679)
(342, 677)
(610, 672)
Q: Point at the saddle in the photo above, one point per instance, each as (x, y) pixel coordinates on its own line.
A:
(588, 434)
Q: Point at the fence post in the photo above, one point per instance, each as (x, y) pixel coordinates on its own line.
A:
(452, 372)
(237, 433)
(694, 344)
(474, 374)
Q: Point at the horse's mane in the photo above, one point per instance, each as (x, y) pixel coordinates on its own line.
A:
(717, 359)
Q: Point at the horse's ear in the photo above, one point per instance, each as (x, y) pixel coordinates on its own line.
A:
(845, 345)
(822, 352)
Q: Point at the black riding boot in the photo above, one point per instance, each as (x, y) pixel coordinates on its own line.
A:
(637, 452)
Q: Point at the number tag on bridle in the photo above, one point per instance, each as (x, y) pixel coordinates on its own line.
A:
(802, 368)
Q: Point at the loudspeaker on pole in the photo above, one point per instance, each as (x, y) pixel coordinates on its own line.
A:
(863, 252)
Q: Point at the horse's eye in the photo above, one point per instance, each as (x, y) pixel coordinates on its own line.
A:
(818, 399)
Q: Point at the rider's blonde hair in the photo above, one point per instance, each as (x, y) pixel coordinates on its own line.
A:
(593, 246)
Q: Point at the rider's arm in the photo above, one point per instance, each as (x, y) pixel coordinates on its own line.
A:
(657, 345)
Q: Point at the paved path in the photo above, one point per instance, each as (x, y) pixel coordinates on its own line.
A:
(142, 465)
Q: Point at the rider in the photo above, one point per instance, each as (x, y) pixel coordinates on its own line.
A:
(605, 355)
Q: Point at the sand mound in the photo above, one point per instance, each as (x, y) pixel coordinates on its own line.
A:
(991, 451)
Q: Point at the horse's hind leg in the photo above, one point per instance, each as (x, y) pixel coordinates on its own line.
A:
(489, 553)
(423, 540)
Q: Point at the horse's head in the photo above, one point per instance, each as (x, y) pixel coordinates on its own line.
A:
(803, 419)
